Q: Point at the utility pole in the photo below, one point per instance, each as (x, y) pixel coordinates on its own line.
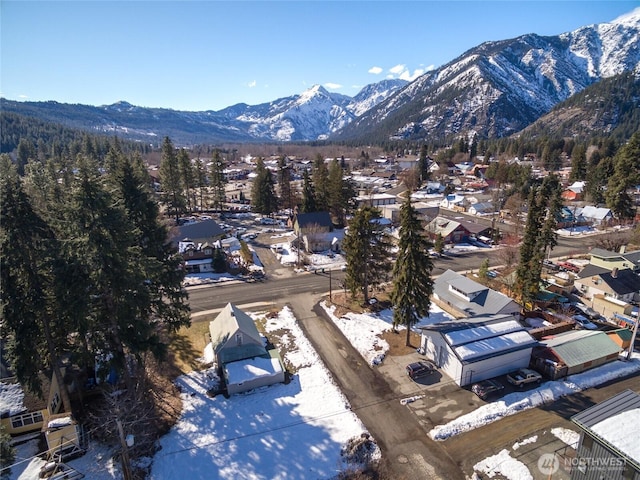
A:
(126, 463)
(330, 285)
(633, 335)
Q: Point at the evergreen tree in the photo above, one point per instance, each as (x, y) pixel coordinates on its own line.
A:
(340, 194)
(187, 175)
(218, 181)
(200, 180)
(308, 195)
(544, 207)
(626, 175)
(284, 184)
(7, 454)
(578, 163)
(367, 247)
(484, 268)
(321, 184)
(412, 283)
(263, 196)
(171, 179)
(438, 245)
(28, 254)
(423, 165)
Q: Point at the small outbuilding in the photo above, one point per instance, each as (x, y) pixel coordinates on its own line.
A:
(574, 352)
(241, 354)
(478, 348)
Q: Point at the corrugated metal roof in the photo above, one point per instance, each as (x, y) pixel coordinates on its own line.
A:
(577, 350)
(624, 401)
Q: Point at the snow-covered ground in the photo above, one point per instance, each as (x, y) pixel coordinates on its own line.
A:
(292, 431)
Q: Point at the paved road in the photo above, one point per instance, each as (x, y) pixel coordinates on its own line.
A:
(408, 451)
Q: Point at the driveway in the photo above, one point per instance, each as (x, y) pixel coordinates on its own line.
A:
(408, 451)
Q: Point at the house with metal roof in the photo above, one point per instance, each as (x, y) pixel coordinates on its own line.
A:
(473, 349)
(608, 446)
(623, 285)
(573, 352)
(620, 260)
(462, 297)
(240, 352)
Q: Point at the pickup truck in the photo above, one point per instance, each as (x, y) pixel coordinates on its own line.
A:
(524, 376)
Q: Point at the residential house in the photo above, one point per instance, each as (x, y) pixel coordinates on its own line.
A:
(376, 200)
(482, 208)
(197, 258)
(620, 260)
(240, 352)
(451, 231)
(207, 231)
(572, 352)
(453, 202)
(477, 348)
(597, 216)
(574, 192)
(622, 285)
(315, 231)
(608, 446)
(462, 297)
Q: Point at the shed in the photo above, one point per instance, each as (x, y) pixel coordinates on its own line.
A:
(574, 352)
(478, 348)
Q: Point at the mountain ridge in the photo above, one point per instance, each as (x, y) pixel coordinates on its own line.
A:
(495, 89)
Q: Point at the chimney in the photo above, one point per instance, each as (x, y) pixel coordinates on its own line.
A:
(614, 272)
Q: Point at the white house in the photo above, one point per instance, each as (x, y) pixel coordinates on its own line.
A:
(240, 352)
(477, 348)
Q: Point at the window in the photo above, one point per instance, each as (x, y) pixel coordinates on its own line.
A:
(238, 338)
(55, 403)
(207, 251)
(25, 419)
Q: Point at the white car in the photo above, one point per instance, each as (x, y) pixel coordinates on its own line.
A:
(584, 322)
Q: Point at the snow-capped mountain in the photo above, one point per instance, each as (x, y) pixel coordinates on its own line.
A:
(499, 88)
(495, 89)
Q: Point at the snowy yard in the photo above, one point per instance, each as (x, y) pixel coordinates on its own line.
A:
(292, 431)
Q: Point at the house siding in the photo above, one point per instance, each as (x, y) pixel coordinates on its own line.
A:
(589, 462)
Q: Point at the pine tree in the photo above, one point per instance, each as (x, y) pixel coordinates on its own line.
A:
(200, 180)
(367, 247)
(187, 175)
(7, 454)
(340, 194)
(423, 165)
(171, 179)
(284, 184)
(218, 181)
(626, 174)
(308, 195)
(28, 253)
(321, 184)
(263, 196)
(539, 236)
(438, 245)
(578, 163)
(412, 283)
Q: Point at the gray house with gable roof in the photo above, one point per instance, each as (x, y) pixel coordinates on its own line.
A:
(462, 297)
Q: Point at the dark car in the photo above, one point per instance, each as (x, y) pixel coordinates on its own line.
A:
(420, 369)
(486, 388)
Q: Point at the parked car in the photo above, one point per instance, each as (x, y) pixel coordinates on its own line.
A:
(524, 376)
(587, 311)
(420, 369)
(486, 388)
(584, 322)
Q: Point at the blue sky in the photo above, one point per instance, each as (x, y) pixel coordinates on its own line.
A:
(207, 55)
